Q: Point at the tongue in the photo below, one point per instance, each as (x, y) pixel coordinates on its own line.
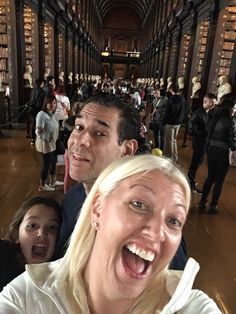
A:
(37, 250)
(135, 263)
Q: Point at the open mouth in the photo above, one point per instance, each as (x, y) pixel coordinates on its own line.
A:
(39, 251)
(136, 260)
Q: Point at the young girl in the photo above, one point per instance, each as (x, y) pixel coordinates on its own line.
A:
(31, 237)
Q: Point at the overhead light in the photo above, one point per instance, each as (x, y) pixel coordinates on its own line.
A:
(105, 53)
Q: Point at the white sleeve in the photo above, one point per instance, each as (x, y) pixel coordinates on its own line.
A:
(199, 303)
(12, 298)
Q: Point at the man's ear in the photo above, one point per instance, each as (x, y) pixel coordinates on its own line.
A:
(130, 148)
(96, 209)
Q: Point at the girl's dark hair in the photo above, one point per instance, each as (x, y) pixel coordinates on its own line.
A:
(13, 231)
(47, 100)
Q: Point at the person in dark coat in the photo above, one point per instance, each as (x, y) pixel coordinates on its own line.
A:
(175, 112)
(221, 139)
(158, 116)
(37, 104)
(198, 129)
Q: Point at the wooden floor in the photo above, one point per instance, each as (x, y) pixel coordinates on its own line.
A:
(211, 240)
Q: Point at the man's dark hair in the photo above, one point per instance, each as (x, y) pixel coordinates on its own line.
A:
(39, 81)
(174, 89)
(129, 124)
(210, 96)
(49, 78)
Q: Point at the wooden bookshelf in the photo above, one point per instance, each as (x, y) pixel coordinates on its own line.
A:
(48, 45)
(70, 52)
(228, 37)
(4, 43)
(184, 58)
(61, 51)
(29, 34)
(202, 42)
(173, 55)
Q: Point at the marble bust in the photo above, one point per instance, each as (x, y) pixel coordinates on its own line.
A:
(169, 83)
(181, 83)
(46, 73)
(224, 87)
(28, 80)
(61, 78)
(196, 87)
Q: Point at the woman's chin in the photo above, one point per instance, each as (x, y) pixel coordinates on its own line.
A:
(129, 283)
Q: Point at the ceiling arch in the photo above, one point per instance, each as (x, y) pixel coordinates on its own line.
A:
(141, 7)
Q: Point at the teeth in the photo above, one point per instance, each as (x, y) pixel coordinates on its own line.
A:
(147, 255)
(40, 245)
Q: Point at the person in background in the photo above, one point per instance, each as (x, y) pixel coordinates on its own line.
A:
(175, 112)
(198, 129)
(122, 269)
(135, 97)
(31, 237)
(221, 139)
(143, 146)
(47, 131)
(50, 86)
(158, 115)
(37, 104)
(63, 105)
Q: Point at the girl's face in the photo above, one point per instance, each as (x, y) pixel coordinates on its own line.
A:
(38, 233)
(51, 106)
(139, 230)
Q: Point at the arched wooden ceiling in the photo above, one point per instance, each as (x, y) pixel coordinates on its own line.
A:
(141, 7)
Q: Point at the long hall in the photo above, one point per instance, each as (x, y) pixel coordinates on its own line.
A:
(109, 44)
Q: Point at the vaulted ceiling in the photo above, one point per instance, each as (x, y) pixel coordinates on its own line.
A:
(141, 7)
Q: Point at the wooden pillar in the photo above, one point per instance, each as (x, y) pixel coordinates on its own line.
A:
(213, 19)
(20, 48)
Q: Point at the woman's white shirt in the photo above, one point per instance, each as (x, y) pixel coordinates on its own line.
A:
(36, 291)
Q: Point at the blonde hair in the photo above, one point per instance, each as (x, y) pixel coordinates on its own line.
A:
(71, 268)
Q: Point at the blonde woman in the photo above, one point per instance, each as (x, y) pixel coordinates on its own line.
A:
(128, 232)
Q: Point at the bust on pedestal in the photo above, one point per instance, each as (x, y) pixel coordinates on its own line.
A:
(77, 78)
(61, 78)
(224, 88)
(162, 83)
(28, 81)
(169, 83)
(181, 83)
(47, 72)
(1, 89)
(70, 78)
(196, 90)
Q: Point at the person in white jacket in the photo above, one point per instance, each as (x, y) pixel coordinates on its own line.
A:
(63, 105)
(117, 260)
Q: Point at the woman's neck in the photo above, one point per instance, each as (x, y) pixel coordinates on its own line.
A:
(112, 307)
(98, 301)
